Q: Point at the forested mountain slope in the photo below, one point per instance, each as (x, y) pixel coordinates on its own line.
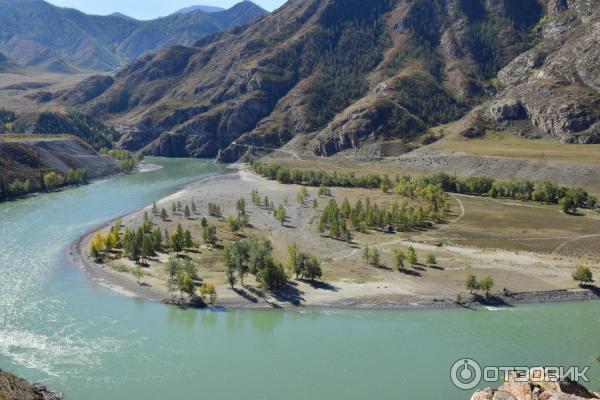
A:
(343, 73)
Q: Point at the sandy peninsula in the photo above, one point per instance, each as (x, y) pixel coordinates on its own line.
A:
(348, 282)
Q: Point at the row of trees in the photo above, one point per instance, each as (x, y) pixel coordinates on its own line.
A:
(127, 161)
(475, 285)
(337, 221)
(49, 181)
(399, 257)
(141, 243)
(54, 180)
(519, 189)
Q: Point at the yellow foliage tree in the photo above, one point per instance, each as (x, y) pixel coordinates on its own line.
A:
(208, 290)
(99, 242)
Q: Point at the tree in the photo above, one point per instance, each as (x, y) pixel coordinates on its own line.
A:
(146, 223)
(236, 259)
(93, 251)
(411, 256)
(486, 285)
(233, 224)
(583, 274)
(256, 200)
(110, 241)
(374, 258)
(281, 214)
(231, 278)
(193, 207)
(567, 205)
(186, 212)
(156, 239)
(209, 234)
(163, 214)
(214, 210)
(208, 290)
(366, 253)
(138, 273)
(173, 208)
(398, 258)
(187, 240)
(177, 240)
(203, 222)
(302, 195)
(147, 249)
(293, 261)
(154, 209)
(431, 260)
(471, 283)
(98, 241)
(240, 207)
(173, 268)
(272, 275)
(186, 285)
(312, 267)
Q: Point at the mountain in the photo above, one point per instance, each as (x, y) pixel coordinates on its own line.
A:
(185, 28)
(7, 65)
(35, 33)
(336, 73)
(205, 9)
(121, 15)
(554, 88)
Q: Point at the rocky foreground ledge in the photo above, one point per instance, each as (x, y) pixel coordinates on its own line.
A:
(14, 388)
(543, 388)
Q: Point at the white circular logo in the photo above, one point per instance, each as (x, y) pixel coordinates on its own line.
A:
(465, 374)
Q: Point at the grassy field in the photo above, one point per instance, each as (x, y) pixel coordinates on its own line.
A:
(519, 226)
(502, 145)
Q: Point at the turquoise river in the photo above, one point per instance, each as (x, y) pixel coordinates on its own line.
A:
(59, 328)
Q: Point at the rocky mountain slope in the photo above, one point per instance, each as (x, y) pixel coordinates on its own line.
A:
(37, 34)
(556, 85)
(341, 72)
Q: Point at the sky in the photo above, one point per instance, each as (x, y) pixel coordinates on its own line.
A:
(148, 9)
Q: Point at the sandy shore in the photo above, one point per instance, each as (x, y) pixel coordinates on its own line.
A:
(531, 278)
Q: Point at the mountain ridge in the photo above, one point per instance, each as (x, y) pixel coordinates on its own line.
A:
(34, 31)
(206, 9)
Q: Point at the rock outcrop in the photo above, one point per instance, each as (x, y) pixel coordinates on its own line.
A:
(13, 388)
(557, 82)
(539, 387)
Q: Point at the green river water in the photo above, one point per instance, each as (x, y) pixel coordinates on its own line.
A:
(58, 328)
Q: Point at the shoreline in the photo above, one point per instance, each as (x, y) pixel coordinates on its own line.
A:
(118, 283)
(140, 168)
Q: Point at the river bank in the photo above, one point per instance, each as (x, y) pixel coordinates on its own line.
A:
(348, 283)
